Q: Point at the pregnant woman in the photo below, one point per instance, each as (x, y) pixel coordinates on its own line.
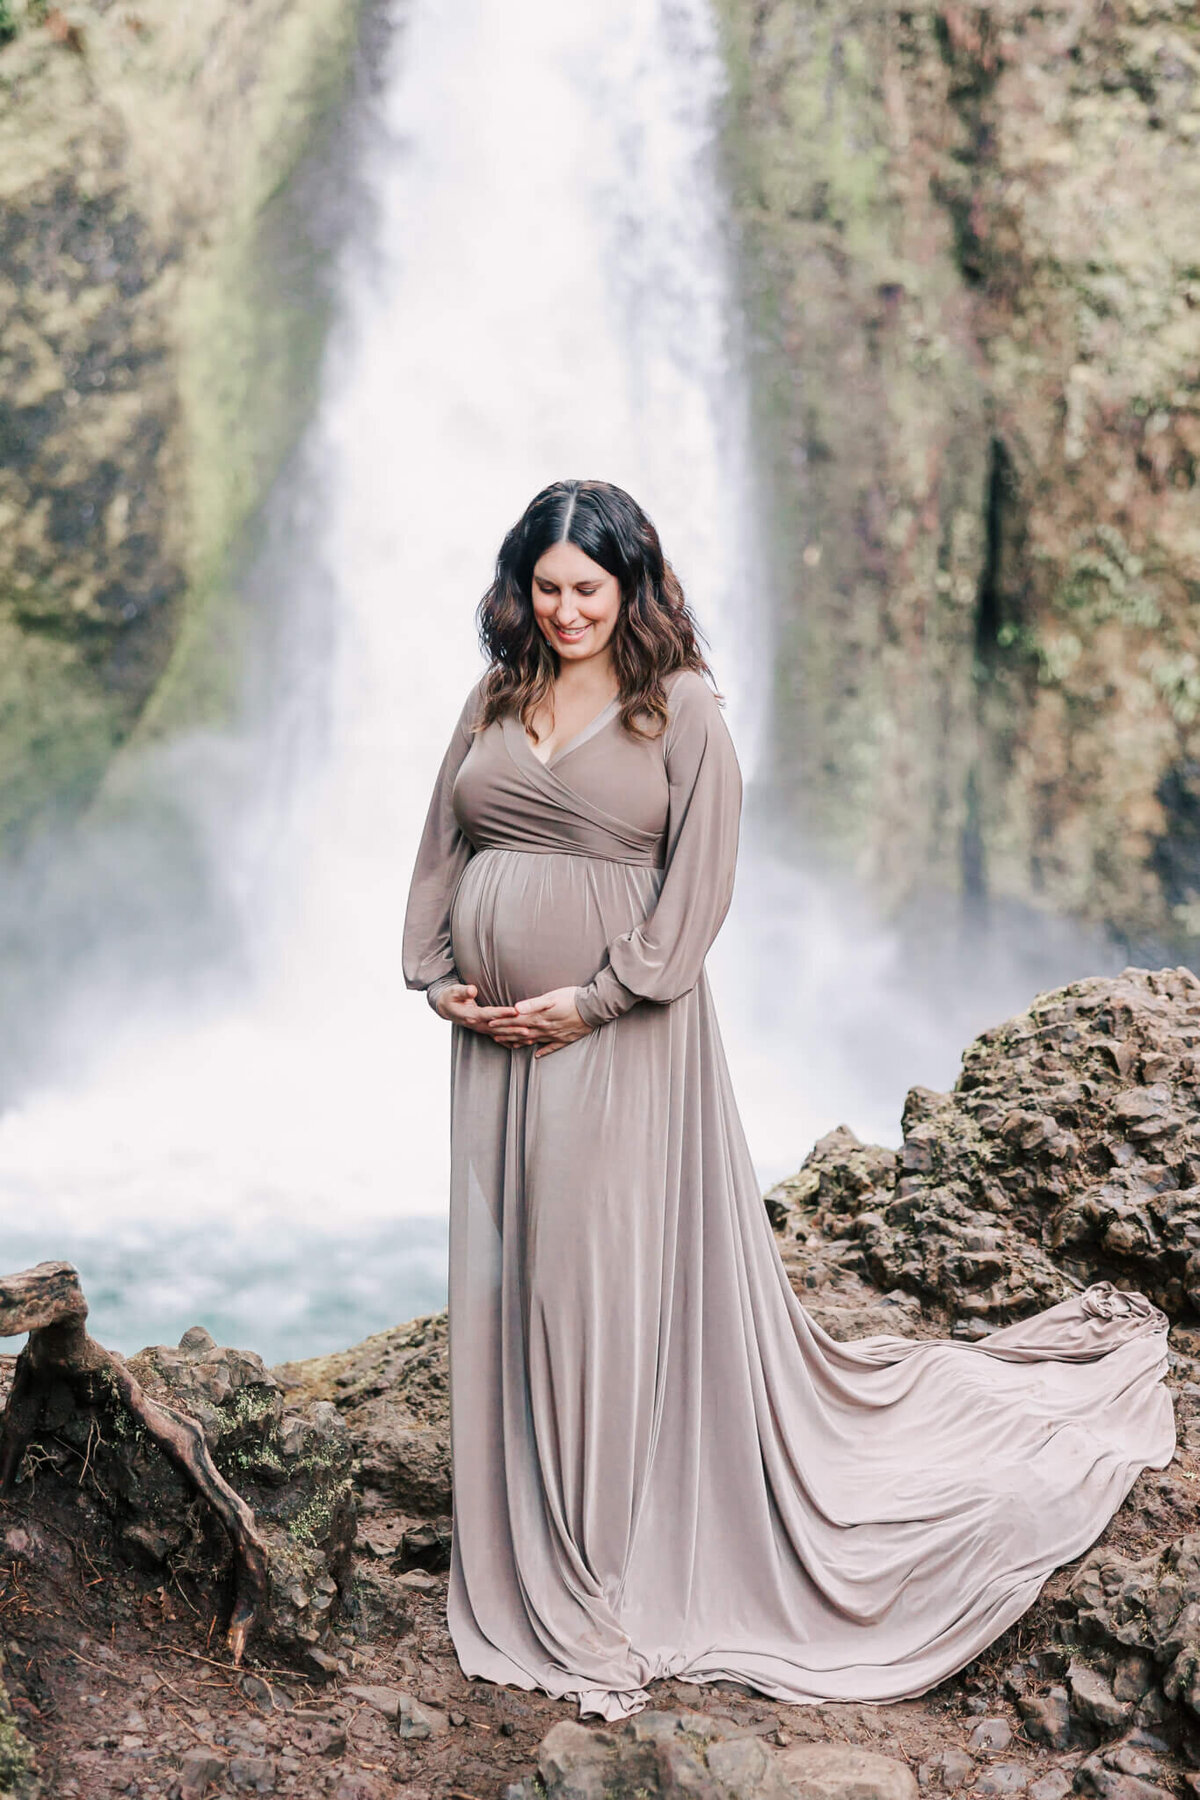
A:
(662, 1465)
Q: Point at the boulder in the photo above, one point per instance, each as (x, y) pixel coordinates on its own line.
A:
(1094, 1700)
(670, 1755)
(844, 1772)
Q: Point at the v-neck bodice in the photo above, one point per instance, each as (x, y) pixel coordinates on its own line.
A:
(594, 724)
(604, 794)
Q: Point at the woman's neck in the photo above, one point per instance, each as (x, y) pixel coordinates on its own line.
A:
(595, 679)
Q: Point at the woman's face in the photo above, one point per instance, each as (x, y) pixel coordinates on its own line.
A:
(575, 602)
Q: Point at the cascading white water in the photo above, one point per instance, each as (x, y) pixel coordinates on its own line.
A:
(542, 291)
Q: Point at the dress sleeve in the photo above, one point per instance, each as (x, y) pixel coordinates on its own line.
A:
(443, 854)
(662, 958)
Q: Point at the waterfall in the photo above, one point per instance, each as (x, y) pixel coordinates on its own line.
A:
(539, 288)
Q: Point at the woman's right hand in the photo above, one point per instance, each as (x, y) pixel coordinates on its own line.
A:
(457, 1003)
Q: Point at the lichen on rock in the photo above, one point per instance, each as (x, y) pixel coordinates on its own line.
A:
(969, 260)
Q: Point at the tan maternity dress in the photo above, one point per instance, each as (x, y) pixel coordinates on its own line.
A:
(662, 1465)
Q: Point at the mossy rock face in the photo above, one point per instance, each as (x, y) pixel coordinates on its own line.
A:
(154, 370)
(971, 265)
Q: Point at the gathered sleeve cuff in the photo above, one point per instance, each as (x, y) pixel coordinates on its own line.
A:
(604, 998)
(662, 958)
(443, 854)
(436, 987)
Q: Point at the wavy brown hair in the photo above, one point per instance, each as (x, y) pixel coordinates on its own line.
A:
(655, 632)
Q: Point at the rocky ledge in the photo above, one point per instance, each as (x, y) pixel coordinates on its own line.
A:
(1068, 1152)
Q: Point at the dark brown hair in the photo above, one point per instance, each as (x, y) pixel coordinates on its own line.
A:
(655, 632)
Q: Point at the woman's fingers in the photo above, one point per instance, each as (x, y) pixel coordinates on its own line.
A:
(539, 1003)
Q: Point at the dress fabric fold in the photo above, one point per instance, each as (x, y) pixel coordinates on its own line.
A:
(662, 1466)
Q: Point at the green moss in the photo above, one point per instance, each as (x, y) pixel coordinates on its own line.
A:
(250, 1404)
(247, 1458)
(16, 1755)
(57, 728)
(312, 1522)
(1177, 679)
(1104, 580)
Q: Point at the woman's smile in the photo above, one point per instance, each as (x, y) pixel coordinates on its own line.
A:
(576, 602)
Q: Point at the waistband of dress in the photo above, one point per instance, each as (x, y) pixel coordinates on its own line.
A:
(630, 861)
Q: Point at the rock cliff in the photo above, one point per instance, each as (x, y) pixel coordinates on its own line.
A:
(160, 310)
(972, 265)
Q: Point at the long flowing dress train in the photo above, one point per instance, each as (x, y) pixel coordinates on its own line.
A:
(662, 1466)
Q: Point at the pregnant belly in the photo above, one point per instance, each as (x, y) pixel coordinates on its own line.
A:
(524, 922)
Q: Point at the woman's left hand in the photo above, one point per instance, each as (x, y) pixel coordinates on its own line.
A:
(548, 1020)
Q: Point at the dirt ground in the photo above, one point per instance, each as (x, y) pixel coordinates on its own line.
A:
(116, 1678)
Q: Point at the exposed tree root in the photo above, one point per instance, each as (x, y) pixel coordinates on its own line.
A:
(48, 1303)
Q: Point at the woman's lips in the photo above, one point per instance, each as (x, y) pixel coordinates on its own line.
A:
(569, 637)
